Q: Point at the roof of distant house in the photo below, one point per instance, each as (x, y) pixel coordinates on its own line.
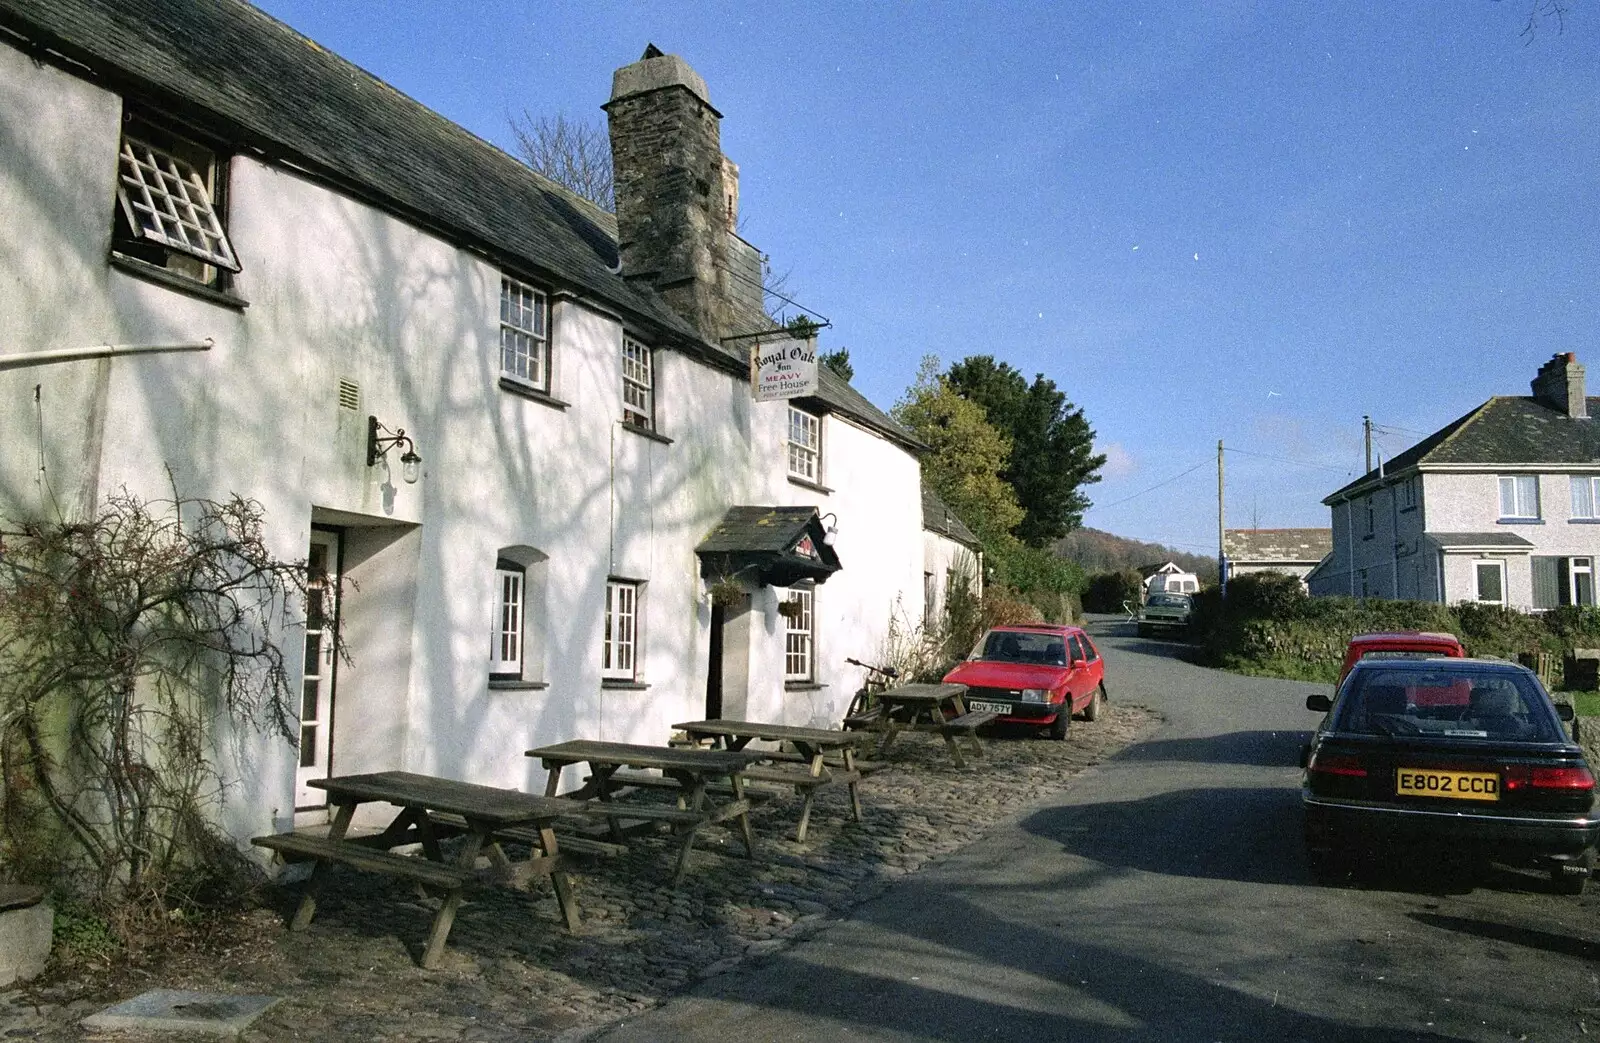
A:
(270, 91)
(1507, 429)
(938, 517)
(1305, 546)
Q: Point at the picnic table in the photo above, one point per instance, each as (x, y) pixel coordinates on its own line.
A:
(687, 772)
(806, 769)
(939, 708)
(430, 809)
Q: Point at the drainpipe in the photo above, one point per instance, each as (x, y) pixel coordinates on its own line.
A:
(42, 358)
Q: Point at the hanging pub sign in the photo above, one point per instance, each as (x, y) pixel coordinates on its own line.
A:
(783, 367)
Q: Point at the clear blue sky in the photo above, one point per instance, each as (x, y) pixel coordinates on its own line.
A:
(1242, 221)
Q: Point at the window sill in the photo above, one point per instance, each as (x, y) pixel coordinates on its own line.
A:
(1408, 510)
(532, 394)
(1368, 536)
(621, 685)
(803, 686)
(1517, 521)
(813, 486)
(511, 685)
(153, 273)
(654, 436)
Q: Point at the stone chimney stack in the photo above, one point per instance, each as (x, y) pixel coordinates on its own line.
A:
(673, 202)
(1560, 386)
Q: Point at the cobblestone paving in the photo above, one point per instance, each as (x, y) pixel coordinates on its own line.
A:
(511, 972)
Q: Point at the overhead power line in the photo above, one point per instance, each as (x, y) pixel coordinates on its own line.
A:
(1153, 488)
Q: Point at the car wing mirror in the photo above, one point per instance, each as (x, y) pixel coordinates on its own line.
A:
(1565, 711)
(1319, 703)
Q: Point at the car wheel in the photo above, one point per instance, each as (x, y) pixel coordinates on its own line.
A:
(1063, 721)
(1097, 702)
(1571, 876)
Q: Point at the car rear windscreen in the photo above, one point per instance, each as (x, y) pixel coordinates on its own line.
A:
(1456, 704)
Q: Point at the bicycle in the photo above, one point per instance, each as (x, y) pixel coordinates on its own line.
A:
(864, 711)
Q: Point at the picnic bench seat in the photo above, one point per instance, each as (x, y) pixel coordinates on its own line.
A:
(864, 767)
(650, 780)
(967, 723)
(867, 718)
(568, 844)
(299, 847)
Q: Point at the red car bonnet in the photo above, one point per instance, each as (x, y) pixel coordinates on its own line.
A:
(988, 674)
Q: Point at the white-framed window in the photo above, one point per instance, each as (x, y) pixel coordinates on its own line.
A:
(506, 646)
(1585, 496)
(170, 204)
(805, 445)
(799, 645)
(620, 647)
(1372, 516)
(1489, 582)
(524, 334)
(638, 384)
(1580, 575)
(1408, 493)
(1519, 496)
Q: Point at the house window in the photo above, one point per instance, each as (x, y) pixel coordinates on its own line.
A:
(170, 195)
(1581, 574)
(524, 334)
(930, 600)
(1372, 516)
(505, 656)
(619, 650)
(798, 644)
(1584, 496)
(517, 626)
(1408, 494)
(805, 445)
(1519, 497)
(638, 385)
(1489, 584)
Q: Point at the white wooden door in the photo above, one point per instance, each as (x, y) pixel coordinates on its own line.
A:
(317, 679)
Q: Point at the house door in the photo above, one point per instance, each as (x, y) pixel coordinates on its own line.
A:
(318, 676)
(714, 665)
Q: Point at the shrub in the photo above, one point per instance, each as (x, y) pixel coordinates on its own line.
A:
(1109, 591)
(1266, 595)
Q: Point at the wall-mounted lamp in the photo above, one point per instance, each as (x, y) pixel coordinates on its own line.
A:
(829, 532)
(380, 440)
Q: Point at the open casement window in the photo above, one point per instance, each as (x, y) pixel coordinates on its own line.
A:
(805, 445)
(524, 334)
(506, 652)
(1561, 581)
(170, 202)
(1519, 496)
(638, 384)
(620, 647)
(799, 634)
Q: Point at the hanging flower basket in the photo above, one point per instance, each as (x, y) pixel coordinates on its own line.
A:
(790, 609)
(726, 592)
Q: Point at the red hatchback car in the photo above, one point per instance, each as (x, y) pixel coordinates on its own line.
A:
(1400, 644)
(1035, 674)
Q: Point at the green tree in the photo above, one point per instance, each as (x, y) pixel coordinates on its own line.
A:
(839, 362)
(966, 455)
(1052, 446)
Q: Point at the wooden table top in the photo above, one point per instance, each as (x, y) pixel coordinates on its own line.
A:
(921, 693)
(667, 758)
(502, 807)
(823, 737)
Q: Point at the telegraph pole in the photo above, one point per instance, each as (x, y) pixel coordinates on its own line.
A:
(1222, 550)
(1366, 430)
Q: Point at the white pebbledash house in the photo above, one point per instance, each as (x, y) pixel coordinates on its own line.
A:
(1500, 506)
(576, 386)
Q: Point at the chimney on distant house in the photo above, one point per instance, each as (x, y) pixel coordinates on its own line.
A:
(675, 207)
(1560, 386)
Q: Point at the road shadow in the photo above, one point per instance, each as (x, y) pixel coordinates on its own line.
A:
(1247, 834)
(1544, 941)
(1265, 749)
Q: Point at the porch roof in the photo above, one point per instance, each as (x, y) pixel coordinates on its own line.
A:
(780, 546)
(1464, 541)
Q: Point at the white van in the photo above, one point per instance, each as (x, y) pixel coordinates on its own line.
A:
(1172, 583)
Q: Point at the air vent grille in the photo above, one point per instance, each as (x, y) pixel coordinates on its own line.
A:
(349, 394)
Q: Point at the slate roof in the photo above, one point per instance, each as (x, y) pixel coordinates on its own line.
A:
(937, 517)
(1299, 545)
(268, 90)
(1465, 540)
(1507, 429)
(763, 539)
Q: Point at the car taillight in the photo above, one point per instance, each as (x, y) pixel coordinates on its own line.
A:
(1523, 777)
(1337, 764)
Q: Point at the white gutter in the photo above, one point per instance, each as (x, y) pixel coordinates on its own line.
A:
(44, 358)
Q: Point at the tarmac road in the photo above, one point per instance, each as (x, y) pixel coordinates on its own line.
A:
(1163, 896)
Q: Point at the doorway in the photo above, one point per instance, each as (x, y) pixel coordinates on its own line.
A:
(319, 673)
(714, 665)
